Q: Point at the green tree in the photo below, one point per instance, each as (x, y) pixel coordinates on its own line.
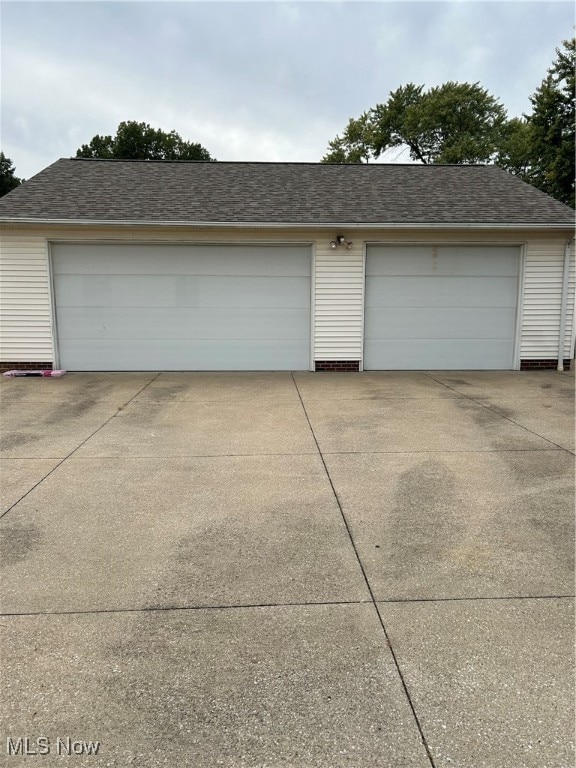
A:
(452, 123)
(515, 153)
(8, 181)
(139, 141)
(552, 123)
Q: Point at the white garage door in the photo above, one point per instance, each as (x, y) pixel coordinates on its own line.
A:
(430, 307)
(164, 307)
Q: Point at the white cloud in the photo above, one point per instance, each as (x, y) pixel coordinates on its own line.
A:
(268, 81)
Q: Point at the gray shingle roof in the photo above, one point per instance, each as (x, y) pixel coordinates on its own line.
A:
(290, 193)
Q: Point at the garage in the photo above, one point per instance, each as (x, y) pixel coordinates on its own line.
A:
(181, 307)
(119, 265)
(441, 307)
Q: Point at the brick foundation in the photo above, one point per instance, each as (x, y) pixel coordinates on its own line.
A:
(20, 366)
(342, 366)
(542, 365)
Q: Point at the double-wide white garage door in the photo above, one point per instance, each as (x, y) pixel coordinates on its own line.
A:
(432, 307)
(165, 307)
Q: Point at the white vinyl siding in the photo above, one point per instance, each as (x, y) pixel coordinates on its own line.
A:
(339, 300)
(338, 303)
(25, 304)
(542, 301)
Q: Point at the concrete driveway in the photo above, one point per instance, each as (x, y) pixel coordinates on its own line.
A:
(267, 570)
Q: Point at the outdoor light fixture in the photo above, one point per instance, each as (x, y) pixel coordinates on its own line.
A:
(341, 240)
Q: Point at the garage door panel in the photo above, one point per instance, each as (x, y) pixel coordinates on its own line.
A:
(440, 292)
(250, 292)
(173, 355)
(443, 260)
(117, 290)
(442, 354)
(182, 308)
(182, 323)
(89, 259)
(182, 291)
(440, 322)
(440, 307)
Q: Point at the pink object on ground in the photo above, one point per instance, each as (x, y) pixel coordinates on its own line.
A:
(13, 374)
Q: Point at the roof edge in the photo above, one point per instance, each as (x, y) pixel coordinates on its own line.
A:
(274, 162)
(286, 225)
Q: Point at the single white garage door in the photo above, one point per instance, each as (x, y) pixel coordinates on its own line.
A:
(432, 307)
(164, 307)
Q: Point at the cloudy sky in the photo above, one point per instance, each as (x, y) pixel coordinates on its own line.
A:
(251, 80)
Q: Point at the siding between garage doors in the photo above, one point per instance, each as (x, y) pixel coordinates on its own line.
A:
(170, 307)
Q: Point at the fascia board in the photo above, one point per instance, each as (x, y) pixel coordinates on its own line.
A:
(284, 225)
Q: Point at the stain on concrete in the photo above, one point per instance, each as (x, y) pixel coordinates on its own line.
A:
(11, 393)
(423, 523)
(17, 542)
(158, 708)
(556, 536)
(100, 385)
(169, 391)
(507, 413)
(372, 394)
(484, 417)
(11, 440)
(69, 411)
(144, 414)
(221, 681)
(538, 471)
(212, 558)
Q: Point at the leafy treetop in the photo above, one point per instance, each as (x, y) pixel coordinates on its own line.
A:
(552, 128)
(8, 179)
(139, 141)
(451, 123)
